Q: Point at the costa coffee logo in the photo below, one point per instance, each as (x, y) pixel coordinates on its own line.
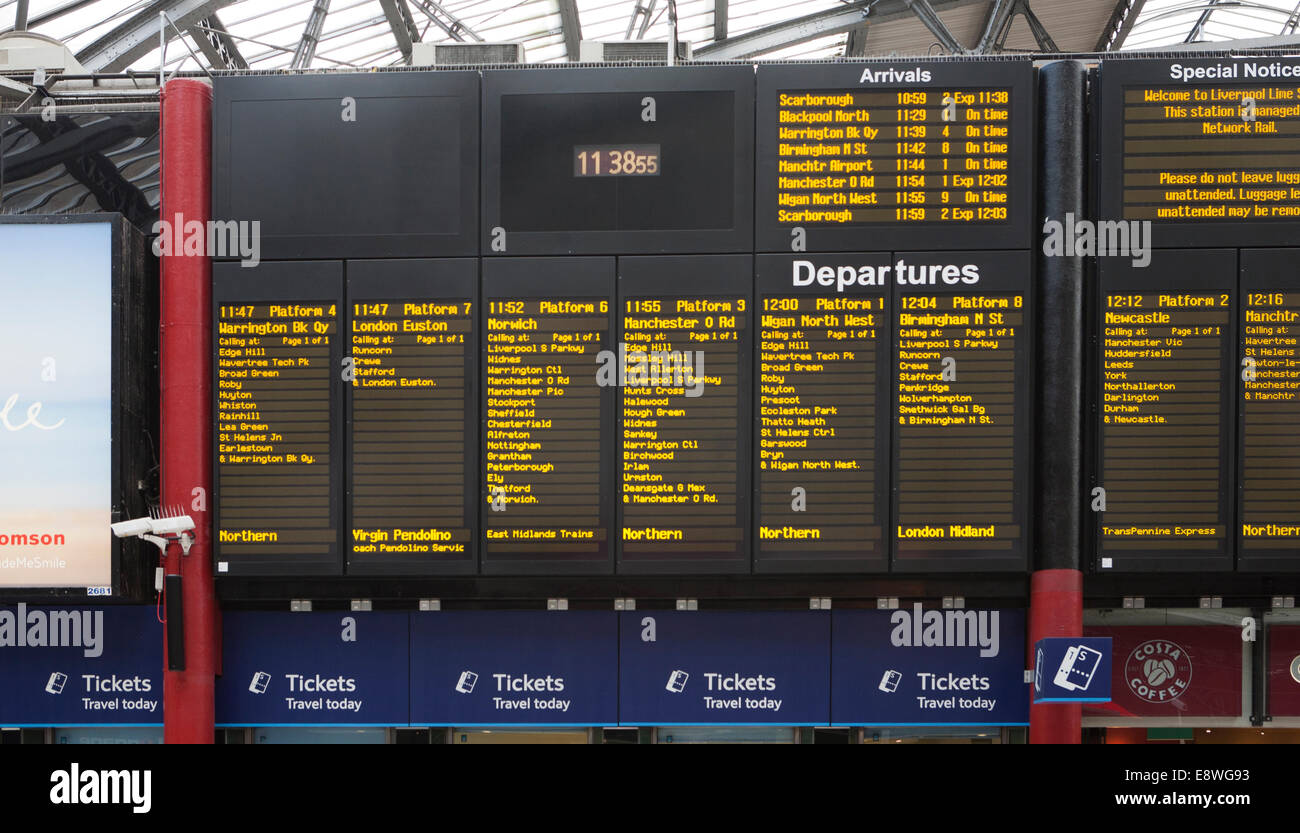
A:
(1158, 671)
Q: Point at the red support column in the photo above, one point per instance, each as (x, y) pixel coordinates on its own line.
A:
(185, 359)
(1055, 609)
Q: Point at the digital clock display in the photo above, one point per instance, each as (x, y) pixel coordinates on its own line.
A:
(616, 160)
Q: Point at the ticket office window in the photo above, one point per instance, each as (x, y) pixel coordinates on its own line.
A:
(529, 735)
(340, 735)
(937, 735)
(727, 734)
(109, 735)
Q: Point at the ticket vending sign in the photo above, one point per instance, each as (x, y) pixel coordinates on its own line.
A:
(277, 396)
(514, 668)
(80, 666)
(684, 373)
(618, 160)
(1268, 460)
(821, 485)
(548, 421)
(924, 154)
(721, 668)
(915, 667)
(313, 669)
(963, 427)
(1203, 148)
(412, 393)
(1072, 670)
(1164, 377)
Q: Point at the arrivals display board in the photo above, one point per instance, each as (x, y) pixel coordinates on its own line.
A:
(1163, 396)
(1268, 463)
(963, 335)
(1207, 149)
(548, 415)
(723, 667)
(915, 667)
(81, 666)
(618, 160)
(315, 669)
(684, 380)
(925, 154)
(339, 165)
(412, 385)
(278, 406)
(821, 485)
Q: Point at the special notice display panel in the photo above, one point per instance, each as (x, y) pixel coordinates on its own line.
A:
(1206, 149)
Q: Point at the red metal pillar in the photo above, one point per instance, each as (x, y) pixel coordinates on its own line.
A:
(185, 358)
(1055, 609)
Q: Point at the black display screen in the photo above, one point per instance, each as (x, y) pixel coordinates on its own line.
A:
(822, 428)
(549, 449)
(963, 336)
(627, 161)
(1206, 149)
(412, 396)
(347, 165)
(1163, 394)
(278, 419)
(683, 373)
(1268, 528)
(937, 155)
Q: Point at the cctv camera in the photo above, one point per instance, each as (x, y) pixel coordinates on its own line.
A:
(172, 526)
(132, 528)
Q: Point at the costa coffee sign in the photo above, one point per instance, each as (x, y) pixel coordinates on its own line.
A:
(1175, 671)
(1284, 670)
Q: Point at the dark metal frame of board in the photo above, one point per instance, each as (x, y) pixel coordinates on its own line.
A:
(333, 235)
(576, 82)
(446, 279)
(1108, 161)
(687, 276)
(773, 277)
(1001, 279)
(1012, 233)
(1258, 276)
(300, 282)
(133, 339)
(576, 277)
(1179, 279)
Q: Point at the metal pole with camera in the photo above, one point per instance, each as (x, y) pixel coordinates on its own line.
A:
(162, 533)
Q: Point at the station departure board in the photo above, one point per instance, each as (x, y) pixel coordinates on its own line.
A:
(931, 154)
(1268, 528)
(277, 406)
(1208, 150)
(412, 430)
(684, 379)
(549, 449)
(618, 160)
(1165, 383)
(963, 336)
(822, 423)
